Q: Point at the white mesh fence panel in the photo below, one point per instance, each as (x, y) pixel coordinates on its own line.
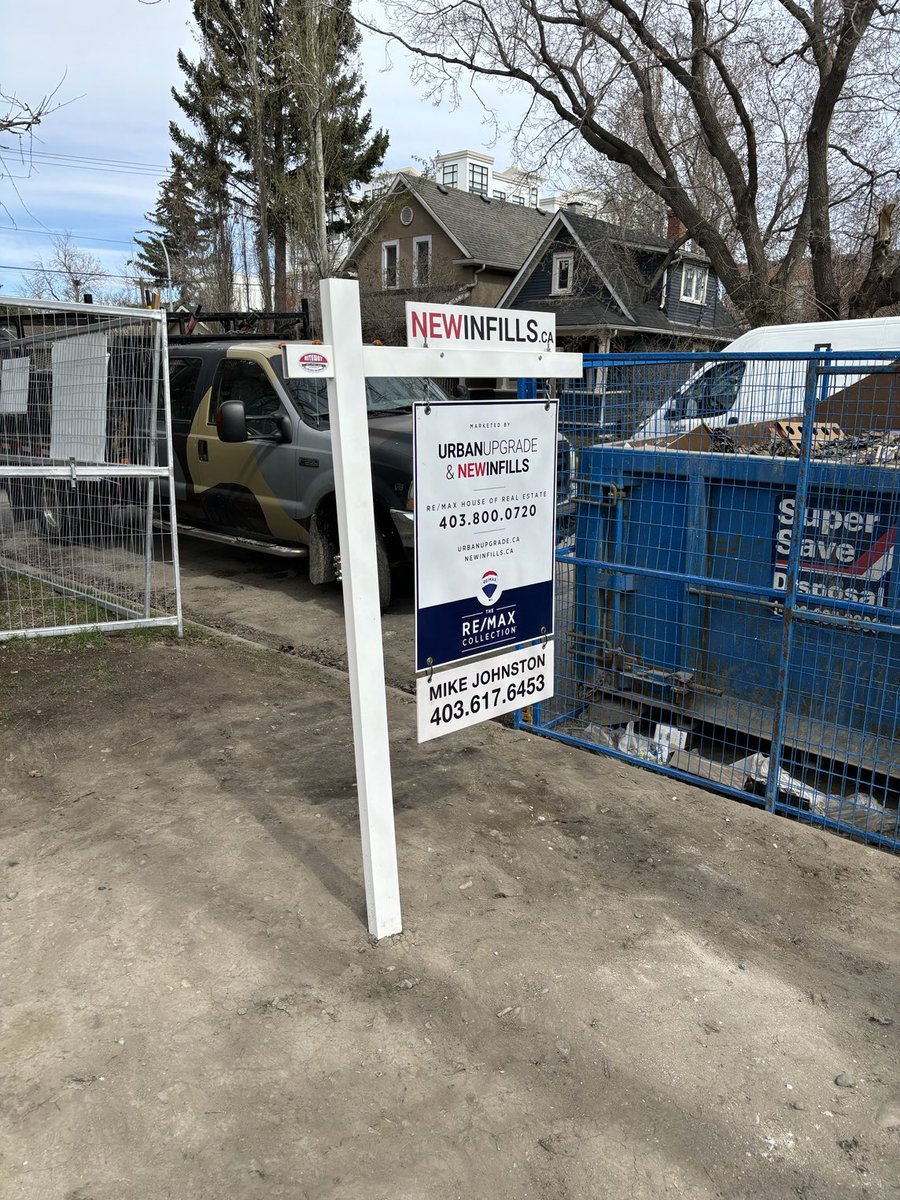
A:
(86, 523)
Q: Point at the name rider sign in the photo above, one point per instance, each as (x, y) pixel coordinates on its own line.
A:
(485, 481)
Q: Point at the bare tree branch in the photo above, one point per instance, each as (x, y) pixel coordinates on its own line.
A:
(766, 128)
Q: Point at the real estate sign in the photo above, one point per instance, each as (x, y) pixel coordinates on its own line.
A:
(485, 480)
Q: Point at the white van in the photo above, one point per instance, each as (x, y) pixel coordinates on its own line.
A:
(744, 392)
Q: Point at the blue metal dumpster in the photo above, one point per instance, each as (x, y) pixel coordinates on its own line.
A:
(748, 607)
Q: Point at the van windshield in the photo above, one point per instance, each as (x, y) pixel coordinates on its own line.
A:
(383, 395)
(711, 394)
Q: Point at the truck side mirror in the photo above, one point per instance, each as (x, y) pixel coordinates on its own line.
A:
(231, 422)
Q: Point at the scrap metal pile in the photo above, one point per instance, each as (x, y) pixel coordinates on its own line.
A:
(875, 447)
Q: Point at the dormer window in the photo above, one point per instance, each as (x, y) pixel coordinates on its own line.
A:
(562, 274)
(693, 283)
(450, 175)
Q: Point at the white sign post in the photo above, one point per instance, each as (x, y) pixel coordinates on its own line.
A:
(362, 613)
(351, 362)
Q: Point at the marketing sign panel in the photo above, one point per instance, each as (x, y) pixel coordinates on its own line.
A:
(485, 487)
(485, 520)
(440, 325)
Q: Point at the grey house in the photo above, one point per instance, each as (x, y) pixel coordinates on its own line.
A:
(617, 290)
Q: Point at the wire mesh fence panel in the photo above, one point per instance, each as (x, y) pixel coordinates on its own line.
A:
(86, 525)
(728, 610)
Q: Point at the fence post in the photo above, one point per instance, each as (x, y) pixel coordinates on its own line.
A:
(793, 564)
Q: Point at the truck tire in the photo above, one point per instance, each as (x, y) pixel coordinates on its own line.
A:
(56, 506)
(384, 570)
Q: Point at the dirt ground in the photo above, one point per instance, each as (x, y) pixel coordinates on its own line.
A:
(610, 985)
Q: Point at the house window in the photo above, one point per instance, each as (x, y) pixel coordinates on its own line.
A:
(390, 265)
(693, 283)
(499, 195)
(450, 175)
(421, 261)
(516, 199)
(533, 197)
(562, 274)
(478, 179)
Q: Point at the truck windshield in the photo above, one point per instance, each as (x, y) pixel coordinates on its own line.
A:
(383, 395)
(711, 394)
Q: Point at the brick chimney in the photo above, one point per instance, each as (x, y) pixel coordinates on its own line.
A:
(676, 228)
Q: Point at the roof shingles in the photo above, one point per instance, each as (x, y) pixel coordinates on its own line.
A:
(491, 231)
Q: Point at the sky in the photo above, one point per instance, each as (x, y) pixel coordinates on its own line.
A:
(93, 166)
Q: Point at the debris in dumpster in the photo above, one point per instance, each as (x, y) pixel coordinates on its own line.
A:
(792, 432)
(871, 447)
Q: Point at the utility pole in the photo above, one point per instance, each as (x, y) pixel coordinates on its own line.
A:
(162, 242)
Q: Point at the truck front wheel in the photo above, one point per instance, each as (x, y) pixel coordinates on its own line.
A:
(384, 570)
(57, 511)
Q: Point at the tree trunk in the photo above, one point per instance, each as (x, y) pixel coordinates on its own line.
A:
(320, 252)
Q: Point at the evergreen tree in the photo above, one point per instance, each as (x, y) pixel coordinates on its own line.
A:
(275, 102)
(204, 155)
(180, 237)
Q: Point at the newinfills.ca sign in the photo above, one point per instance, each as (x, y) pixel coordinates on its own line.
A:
(486, 328)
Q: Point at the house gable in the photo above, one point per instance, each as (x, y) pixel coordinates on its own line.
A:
(586, 279)
(407, 223)
(621, 281)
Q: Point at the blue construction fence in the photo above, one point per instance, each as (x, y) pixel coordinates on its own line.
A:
(727, 595)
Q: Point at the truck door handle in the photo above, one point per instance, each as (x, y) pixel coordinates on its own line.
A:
(203, 450)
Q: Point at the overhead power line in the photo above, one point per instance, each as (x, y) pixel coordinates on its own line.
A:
(76, 162)
(84, 237)
(85, 158)
(57, 271)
